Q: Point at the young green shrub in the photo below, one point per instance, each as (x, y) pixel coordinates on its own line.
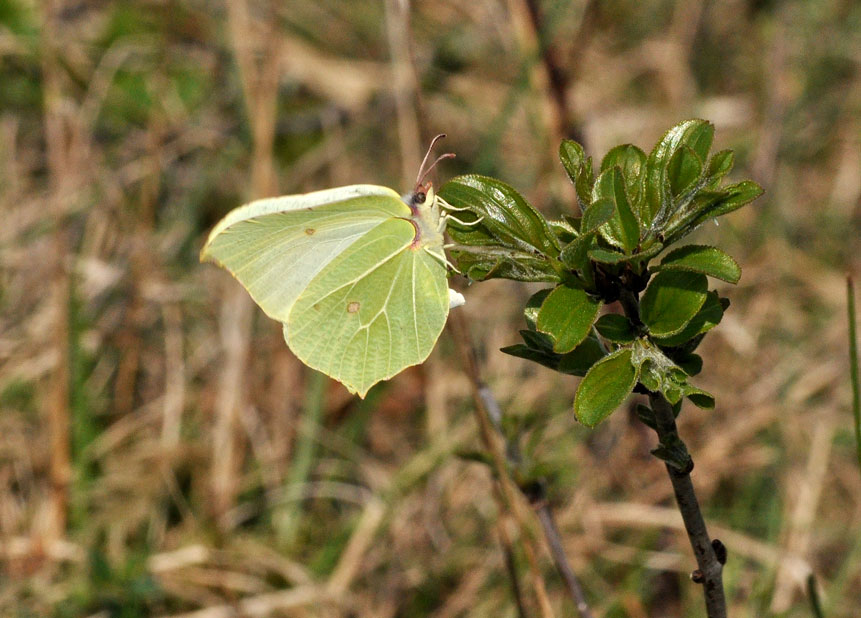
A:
(616, 245)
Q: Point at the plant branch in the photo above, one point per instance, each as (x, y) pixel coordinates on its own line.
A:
(554, 540)
(630, 306)
(710, 566)
(489, 416)
(511, 567)
(710, 555)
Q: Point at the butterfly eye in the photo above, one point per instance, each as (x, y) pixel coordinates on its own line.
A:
(420, 197)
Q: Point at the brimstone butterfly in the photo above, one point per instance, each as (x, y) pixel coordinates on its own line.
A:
(357, 274)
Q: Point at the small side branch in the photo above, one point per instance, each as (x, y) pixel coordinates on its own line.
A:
(710, 554)
(554, 540)
(489, 417)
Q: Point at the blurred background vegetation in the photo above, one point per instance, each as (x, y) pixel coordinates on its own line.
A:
(161, 451)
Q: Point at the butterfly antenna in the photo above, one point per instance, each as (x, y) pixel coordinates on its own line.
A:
(424, 170)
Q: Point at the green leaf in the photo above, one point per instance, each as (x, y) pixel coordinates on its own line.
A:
(647, 254)
(696, 135)
(606, 256)
(564, 231)
(703, 259)
(631, 160)
(627, 157)
(547, 359)
(536, 340)
(699, 397)
(573, 221)
(579, 169)
(623, 229)
(574, 254)
(672, 299)
(581, 359)
(494, 262)
(573, 157)
(706, 318)
(649, 378)
(719, 166)
(606, 385)
(658, 373)
(616, 328)
(735, 197)
(684, 170)
(691, 363)
(707, 205)
(506, 217)
(658, 380)
(567, 315)
(699, 138)
(599, 213)
(584, 184)
(538, 348)
(530, 312)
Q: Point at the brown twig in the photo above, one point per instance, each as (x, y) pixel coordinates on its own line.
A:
(558, 78)
(709, 562)
(554, 540)
(511, 567)
(710, 568)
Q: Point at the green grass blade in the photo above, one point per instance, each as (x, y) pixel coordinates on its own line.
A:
(813, 596)
(853, 365)
(287, 524)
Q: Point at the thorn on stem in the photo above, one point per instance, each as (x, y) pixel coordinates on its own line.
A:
(720, 550)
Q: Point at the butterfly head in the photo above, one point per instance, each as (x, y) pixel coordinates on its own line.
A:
(422, 195)
(423, 192)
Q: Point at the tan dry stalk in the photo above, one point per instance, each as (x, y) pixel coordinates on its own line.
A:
(404, 85)
(260, 89)
(57, 413)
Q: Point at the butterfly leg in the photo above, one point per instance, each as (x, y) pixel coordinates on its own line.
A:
(446, 206)
(443, 221)
(442, 259)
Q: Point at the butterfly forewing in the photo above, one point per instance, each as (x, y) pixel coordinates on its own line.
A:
(275, 247)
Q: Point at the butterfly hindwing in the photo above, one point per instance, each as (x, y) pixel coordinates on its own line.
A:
(376, 309)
